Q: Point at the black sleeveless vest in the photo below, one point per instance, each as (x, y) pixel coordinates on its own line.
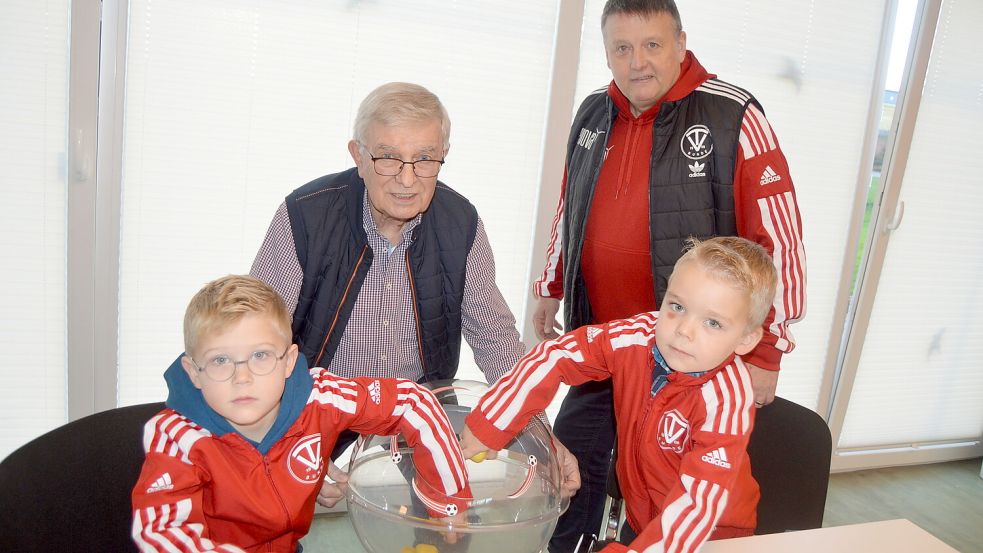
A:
(694, 152)
(332, 247)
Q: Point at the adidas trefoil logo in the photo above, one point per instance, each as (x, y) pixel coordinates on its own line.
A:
(592, 332)
(717, 457)
(697, 169)
(769, 176)
(161, 484)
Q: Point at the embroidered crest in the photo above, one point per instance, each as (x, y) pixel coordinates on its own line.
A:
(697, 142)
(305, 461)
(673, 431)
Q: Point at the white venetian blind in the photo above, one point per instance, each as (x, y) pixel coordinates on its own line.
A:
(231, 105)
(812, 69)
(34, 119)
(919, 379)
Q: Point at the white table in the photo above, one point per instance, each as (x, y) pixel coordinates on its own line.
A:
(890, 536)
(334, 533)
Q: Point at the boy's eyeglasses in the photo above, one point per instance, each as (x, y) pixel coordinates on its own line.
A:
(221, 368)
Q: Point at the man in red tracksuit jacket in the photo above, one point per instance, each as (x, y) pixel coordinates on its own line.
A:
(683, 398)
(234, 463)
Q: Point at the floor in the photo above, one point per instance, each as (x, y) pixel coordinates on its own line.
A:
(946, 499)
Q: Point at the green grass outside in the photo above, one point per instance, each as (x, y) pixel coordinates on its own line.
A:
(872, 191)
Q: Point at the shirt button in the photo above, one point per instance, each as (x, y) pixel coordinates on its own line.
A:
(385, 323)
(389, 286)
(382, 357)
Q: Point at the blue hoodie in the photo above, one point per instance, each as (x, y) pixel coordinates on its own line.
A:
(188, 400)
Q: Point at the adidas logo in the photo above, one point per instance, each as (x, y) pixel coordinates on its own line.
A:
(717, 457)
(375, 392)
(592, 332)
(697, 169)
(769, 176)
(161, 484)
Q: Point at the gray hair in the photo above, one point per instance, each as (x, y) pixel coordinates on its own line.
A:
(642, 7)
(398, 103)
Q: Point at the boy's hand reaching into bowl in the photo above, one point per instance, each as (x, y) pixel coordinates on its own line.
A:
(472, 448)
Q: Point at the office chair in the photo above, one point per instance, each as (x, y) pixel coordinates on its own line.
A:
(69, 489)
(790, 451)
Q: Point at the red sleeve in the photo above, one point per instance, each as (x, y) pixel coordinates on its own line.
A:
(580, 356)
(768, 213)
(709, 471)
(167, 498)
(550, 283)
(387, 407)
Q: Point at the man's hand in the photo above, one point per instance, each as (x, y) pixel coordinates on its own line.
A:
(764, 383)
(333, 492)
(472, 448)
(544, 319)
(569, 469)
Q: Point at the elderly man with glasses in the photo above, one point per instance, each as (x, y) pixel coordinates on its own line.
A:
(384, 268)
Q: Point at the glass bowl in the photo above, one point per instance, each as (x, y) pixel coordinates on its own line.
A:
(516, 496)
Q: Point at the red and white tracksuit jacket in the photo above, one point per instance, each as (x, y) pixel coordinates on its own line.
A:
(682, 460)
(201, 492)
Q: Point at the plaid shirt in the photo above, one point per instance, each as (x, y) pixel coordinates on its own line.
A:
(380, 338)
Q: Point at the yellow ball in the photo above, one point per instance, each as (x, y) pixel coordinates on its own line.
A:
(407, 549)
(426, 548)
(478, 457)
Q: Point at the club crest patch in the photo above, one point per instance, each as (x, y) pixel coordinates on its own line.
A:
(697, 142)
(673, 431)
(305, 461)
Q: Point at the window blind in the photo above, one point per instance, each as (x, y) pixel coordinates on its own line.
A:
(918, 379)
(34, 117)
(230, 106)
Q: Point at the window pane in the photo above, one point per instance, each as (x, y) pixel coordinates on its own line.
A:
(928, 295)
(230, 106)
(34, 119)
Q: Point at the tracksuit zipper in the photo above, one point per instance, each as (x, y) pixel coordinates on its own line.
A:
(286, 513)
(644, 424)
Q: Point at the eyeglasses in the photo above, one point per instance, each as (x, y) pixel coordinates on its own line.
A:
(391, 166)
(222, 367)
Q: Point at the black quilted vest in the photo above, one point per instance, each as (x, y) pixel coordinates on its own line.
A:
(332, 247)
(694, 151)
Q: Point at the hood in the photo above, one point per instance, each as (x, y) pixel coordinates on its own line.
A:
(183, 397)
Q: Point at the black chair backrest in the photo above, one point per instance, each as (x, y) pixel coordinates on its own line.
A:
(69, 489)
(790, 450)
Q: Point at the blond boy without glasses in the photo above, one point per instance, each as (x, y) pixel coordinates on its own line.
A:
(684, 402)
